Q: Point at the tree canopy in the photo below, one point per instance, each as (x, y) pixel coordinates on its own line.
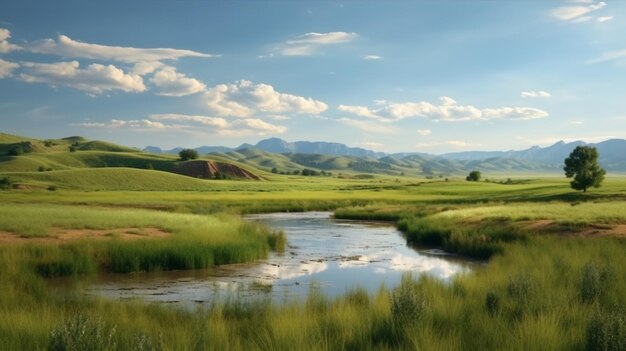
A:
(188, 154)
(582, 165)
(474, 176)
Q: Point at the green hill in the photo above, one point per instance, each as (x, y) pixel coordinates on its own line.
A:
(113, 179)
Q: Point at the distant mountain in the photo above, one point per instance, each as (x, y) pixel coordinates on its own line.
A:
(291, 156)
(612, 154)
(279, 146)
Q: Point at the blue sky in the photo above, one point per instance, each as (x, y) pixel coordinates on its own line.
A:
(412, 76)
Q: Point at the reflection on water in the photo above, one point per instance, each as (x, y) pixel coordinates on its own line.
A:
(326, 255)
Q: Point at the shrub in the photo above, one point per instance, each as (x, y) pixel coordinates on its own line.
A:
(492, 303)
(592, 282)
(41, 169)
(607, 331)
(5, 183)
(83, 333)
(16, 151)
(72, 148)
(407, 304)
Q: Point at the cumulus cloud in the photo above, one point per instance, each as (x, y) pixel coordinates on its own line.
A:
(6, 68)
(535, 94)
(578, 13)
(171, 83)
(424, 132)
(191, 124)
(460, 143)
(252, 126)
(367, 126)
(447, 110)
(309, 43)
(94, 79)
(204, 120)
(371, 144)
(67, 47)
(245, 99)
(372, 57)
(5, 46)
(141, 124)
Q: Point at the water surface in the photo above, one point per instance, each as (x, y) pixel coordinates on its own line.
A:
(323, 255)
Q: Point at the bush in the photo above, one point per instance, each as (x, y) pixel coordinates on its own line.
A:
(83, 333)
(188, 154)
(5, 183)
(72, 148)
(607, 331)
(16, 151)
(592, 282)
(492, 303)
(407, 304)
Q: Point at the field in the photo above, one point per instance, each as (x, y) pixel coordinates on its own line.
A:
(553, 278)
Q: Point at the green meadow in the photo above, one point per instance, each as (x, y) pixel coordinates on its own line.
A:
(553, 277)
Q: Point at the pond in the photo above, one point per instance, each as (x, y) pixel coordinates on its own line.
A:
(323, 254)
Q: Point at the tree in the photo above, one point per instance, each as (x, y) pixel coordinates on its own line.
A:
(474, 176)
(274, 170)
(188, 154)
(582, 165)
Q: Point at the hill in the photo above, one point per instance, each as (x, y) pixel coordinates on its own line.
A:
(20, 156)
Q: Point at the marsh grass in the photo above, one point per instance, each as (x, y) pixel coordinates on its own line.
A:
(196, 241)
(538, 292)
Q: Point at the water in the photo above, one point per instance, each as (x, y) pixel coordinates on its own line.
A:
(323, 255)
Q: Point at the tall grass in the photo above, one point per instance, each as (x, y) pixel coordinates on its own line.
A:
(537, 286)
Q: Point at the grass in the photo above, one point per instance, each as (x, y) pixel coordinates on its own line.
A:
(196, 241)
(538, 291)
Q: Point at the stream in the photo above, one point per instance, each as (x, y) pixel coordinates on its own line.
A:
(323, 255)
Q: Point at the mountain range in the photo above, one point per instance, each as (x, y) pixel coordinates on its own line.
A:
(612, 156)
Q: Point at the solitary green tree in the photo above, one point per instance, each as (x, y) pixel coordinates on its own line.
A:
(188, 154)
(582, 165)
(474, 176)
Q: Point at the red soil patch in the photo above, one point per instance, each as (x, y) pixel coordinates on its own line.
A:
(210, 169)
(59, 235)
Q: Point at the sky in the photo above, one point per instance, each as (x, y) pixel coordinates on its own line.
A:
(392, 76)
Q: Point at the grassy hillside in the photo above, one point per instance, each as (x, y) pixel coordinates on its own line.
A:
(113, 179)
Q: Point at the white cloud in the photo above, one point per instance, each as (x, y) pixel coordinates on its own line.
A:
(535, 94)
(372, 57)
(245, 99)
(572, 13)
(460, 143)
(204, 120)
(191, 124)
(578, 123)
(6, 68)
(94, 79)
(604, 19)
(252, 126)
(424, 132)
(142, 124)
(371, 144)
(146, 67)
(5, 46)
(171, 83)
(310, 43)
(609, 56)
(447, 110)
(66, 47)
(367, 126)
